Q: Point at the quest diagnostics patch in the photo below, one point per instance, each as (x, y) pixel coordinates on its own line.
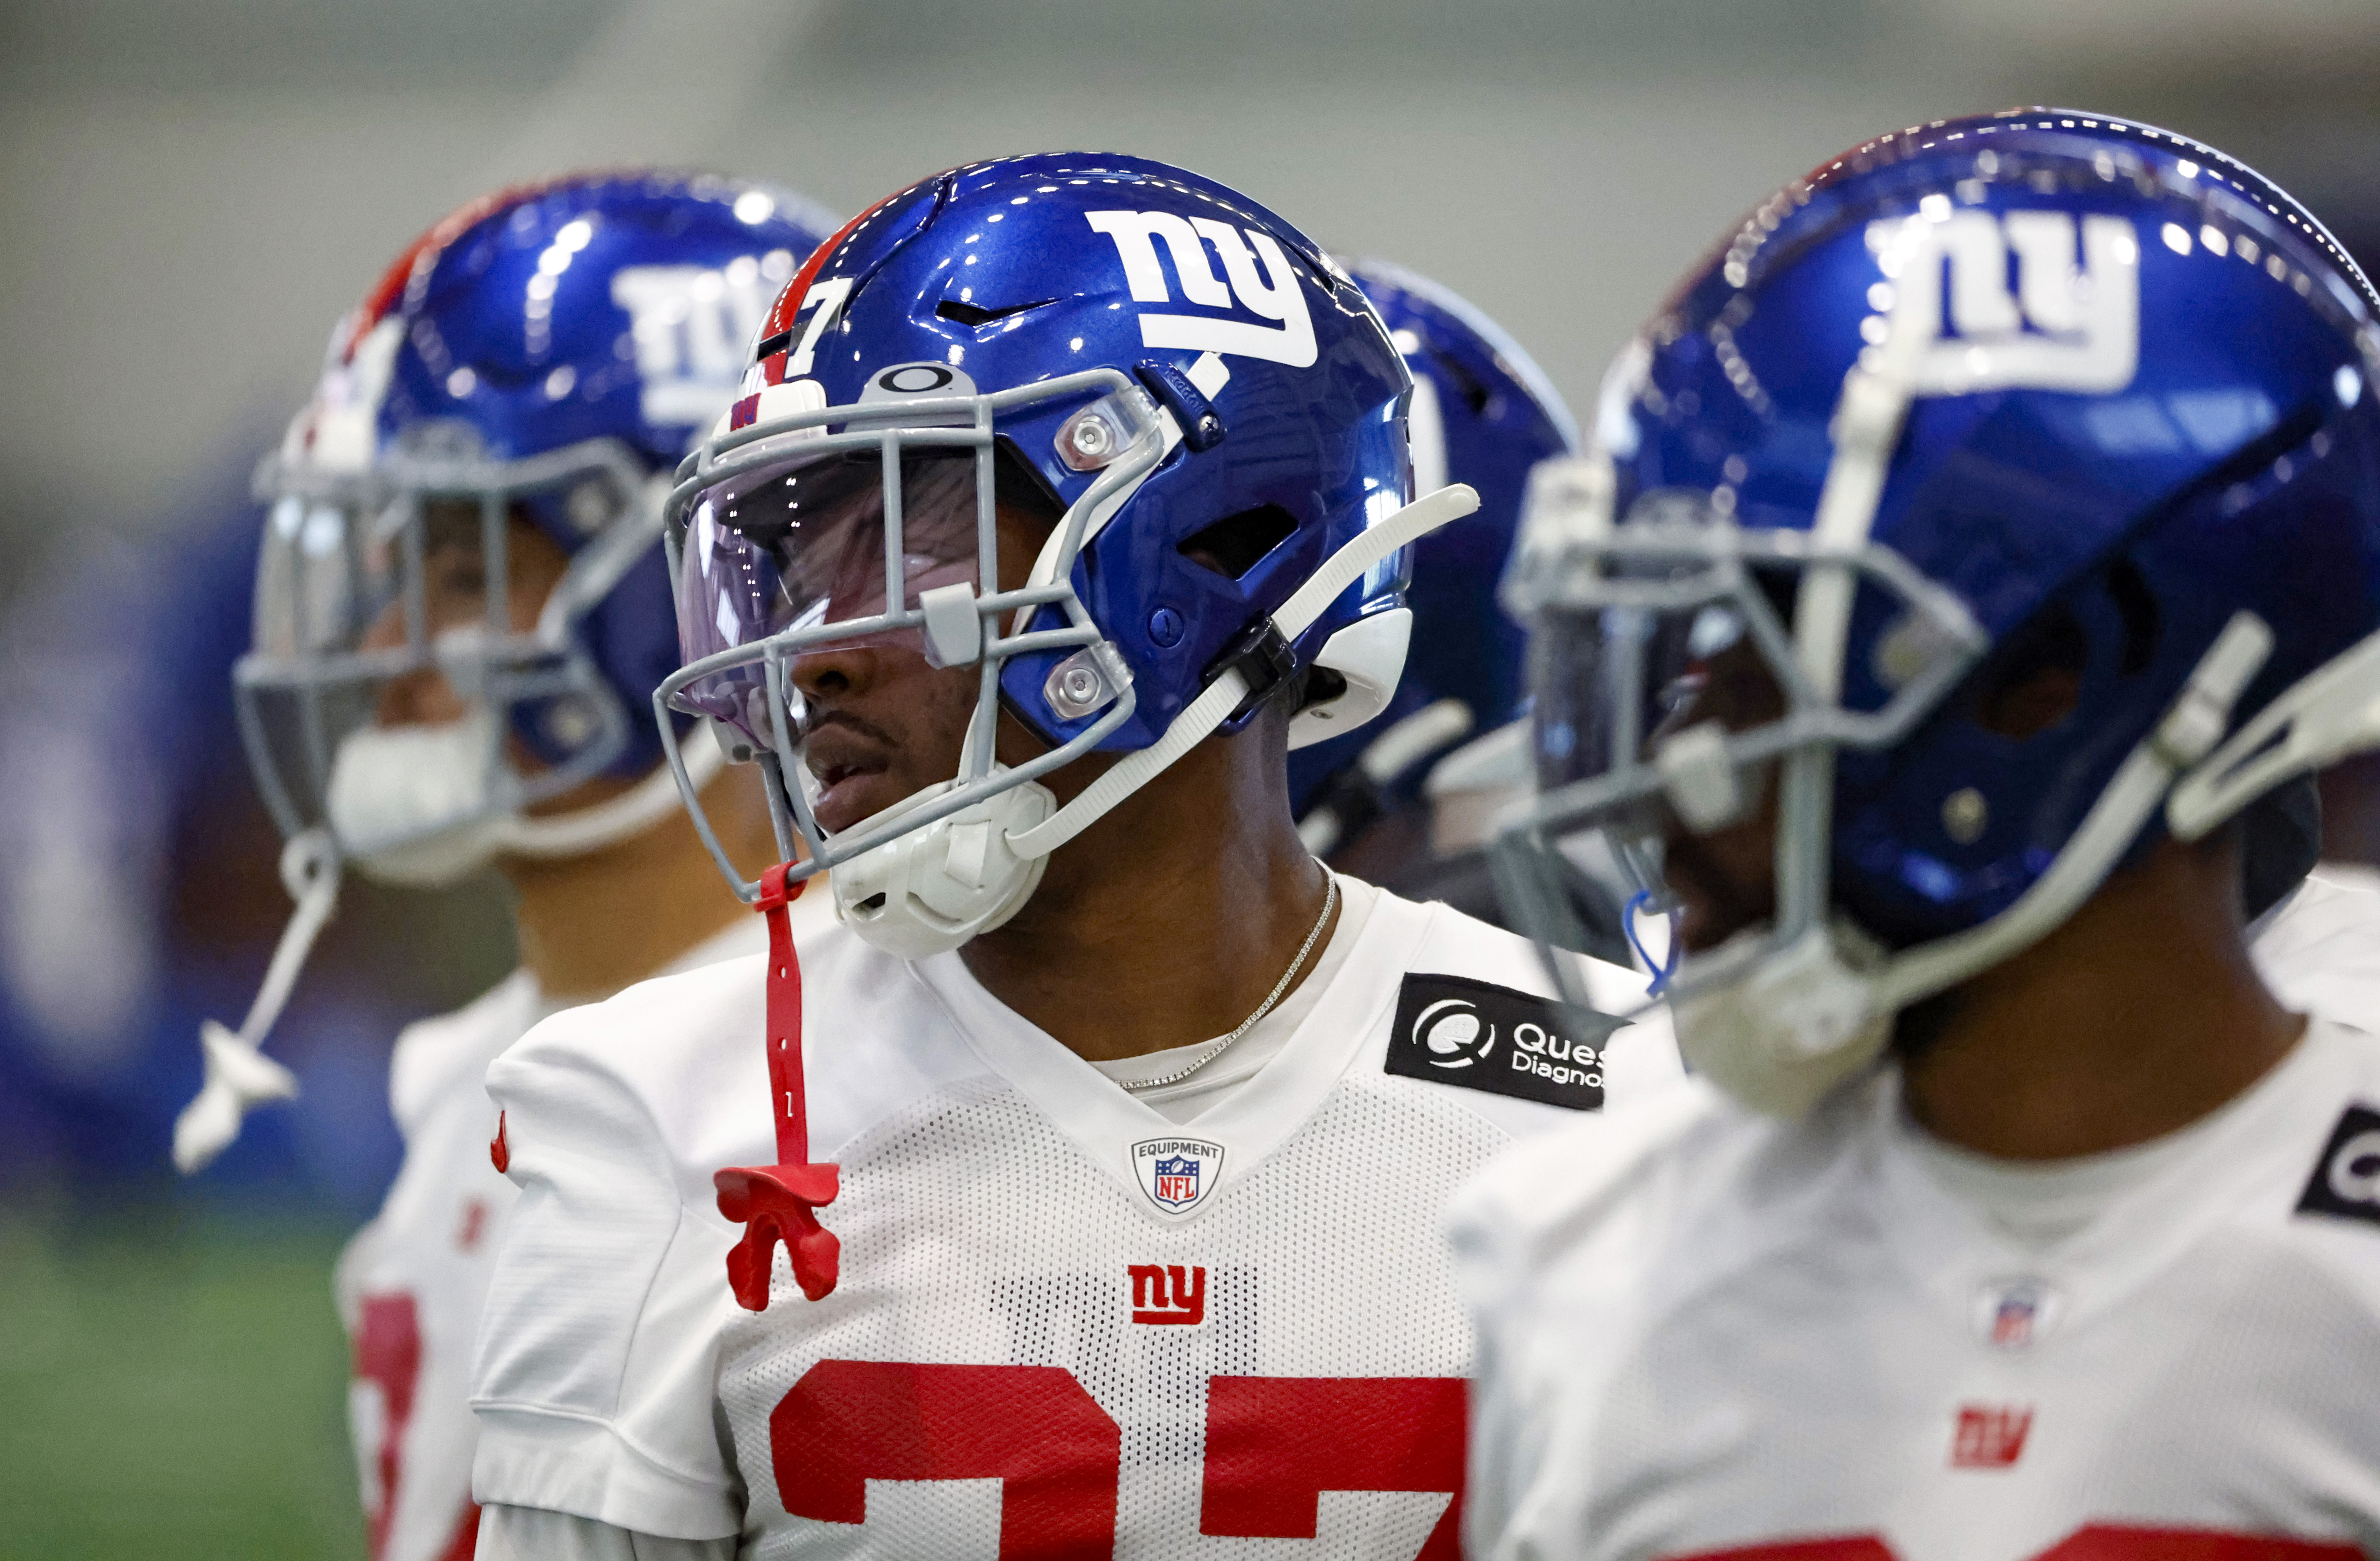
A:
(1476, 1035)
(2345, 1182)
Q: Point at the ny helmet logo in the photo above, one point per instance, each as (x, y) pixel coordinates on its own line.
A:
(1274, 296)
(2069, 323)
(690, 325)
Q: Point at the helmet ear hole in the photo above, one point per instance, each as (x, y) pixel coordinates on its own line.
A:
(2036, 680)
(1318, 685)
(1237, 544)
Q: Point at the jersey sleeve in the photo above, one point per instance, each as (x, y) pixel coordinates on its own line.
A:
(526, 1534)
(594, 1373)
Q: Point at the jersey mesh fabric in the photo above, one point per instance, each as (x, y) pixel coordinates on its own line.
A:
(979, 1234)
(1027, 1334)
(1805, 1339)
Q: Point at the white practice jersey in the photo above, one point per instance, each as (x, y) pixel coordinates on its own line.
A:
(409, 1283)
(1066, 1325)
(2319, 949)
(1709, 1333)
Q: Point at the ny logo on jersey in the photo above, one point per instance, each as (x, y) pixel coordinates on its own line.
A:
(1153, 1301)
(1275, 296)
(2063, 325)
(689, 325)
(1989, 1435)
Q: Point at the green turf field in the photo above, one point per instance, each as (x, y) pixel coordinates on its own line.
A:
(172, 1394)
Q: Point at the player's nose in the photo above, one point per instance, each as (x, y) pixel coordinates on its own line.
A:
(838, 672)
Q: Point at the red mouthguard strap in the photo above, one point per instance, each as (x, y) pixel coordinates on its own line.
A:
(779, 1202)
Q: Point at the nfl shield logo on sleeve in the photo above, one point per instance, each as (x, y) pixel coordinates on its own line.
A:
(1176, 1173)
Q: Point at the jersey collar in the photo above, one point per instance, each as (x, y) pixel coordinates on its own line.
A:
(1110, 1126)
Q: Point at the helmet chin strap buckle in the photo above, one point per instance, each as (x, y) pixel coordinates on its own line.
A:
(1262, 657)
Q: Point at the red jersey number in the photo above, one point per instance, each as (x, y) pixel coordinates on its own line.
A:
(1273, 1445)
(849, 1421)
(388, 1356)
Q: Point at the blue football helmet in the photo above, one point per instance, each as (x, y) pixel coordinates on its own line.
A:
(1211, 403)
(2034, 391)
(1483, 413)
(498, 419)
(542, 358)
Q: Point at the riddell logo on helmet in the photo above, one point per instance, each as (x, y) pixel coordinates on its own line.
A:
(2064, 326)
(690, 325)
(1274, 296)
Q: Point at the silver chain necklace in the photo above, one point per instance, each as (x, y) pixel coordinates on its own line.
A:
(1329, 902)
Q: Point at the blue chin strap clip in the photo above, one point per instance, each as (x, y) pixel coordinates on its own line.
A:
(1662, 968)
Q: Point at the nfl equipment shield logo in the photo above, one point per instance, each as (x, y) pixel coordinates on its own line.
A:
(2012, 1313)
(1177, 1182)
(1176, 1173)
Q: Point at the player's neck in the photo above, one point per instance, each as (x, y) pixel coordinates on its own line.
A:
(592, 924)
(2137, 1017)
(1168, 922)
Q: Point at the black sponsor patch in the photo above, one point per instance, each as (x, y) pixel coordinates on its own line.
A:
(2345, 1180)
(1476, 1035)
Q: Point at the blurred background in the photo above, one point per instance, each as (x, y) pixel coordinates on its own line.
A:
(190, 193)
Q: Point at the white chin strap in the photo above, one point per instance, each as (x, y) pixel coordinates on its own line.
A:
(931, 890)
(238, 1076)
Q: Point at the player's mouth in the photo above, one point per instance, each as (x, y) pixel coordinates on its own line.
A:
(1712, 905)
(852, 761)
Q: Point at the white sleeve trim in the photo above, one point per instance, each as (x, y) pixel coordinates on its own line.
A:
(523, 1533)
(560, 1463)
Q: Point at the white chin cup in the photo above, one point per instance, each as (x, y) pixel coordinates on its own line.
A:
(412, 806)
(409, 805)
(931, 890)
(1798, 1023)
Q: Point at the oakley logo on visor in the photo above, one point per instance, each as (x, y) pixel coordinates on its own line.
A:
(2065, 326)
(1274, 296)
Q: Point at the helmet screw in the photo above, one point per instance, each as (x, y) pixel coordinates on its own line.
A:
(1964, 814)
(1093, 437)
(1080, 685)
(1165, 628)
